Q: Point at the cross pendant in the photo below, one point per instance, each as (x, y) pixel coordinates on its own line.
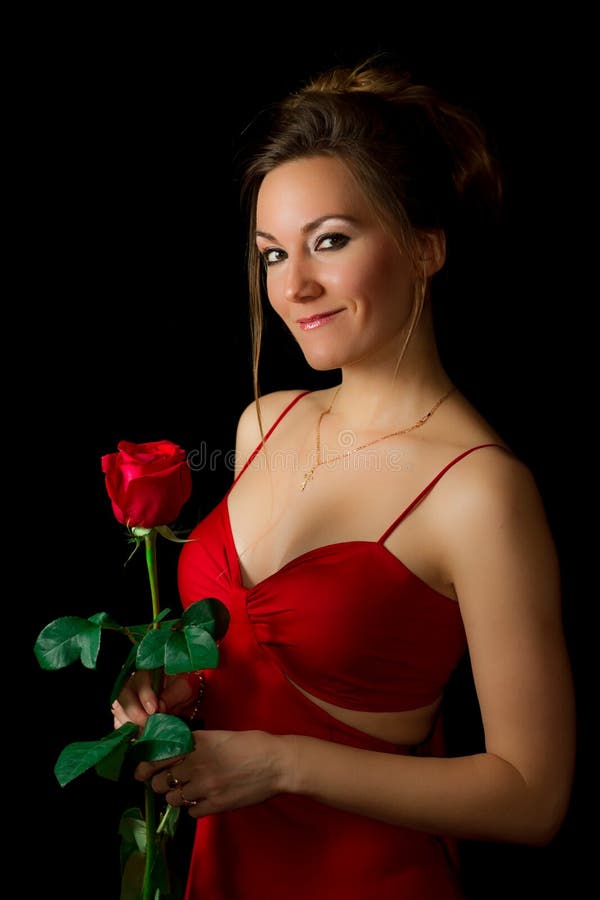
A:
(307, 477)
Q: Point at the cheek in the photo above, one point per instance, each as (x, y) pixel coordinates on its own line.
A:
(373, 273)
(390, 279)
(275, 293)
(373, 291)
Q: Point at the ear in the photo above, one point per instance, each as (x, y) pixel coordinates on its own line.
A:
(433, 251)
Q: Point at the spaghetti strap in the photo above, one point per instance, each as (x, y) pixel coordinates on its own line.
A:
(268, 434)
(431, 484)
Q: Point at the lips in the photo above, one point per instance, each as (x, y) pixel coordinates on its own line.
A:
(308, 323)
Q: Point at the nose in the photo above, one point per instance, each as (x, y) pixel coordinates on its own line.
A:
(301, 282)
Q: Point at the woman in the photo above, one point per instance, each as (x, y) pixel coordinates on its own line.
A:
(375, 532)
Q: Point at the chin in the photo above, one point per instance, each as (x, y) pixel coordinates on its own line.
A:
(323, 363)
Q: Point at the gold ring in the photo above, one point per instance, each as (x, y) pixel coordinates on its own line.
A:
(185, 801)
(172, 782)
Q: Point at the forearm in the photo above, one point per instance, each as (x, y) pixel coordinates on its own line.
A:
(481, 797)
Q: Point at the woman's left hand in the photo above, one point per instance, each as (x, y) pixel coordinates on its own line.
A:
(225, 770)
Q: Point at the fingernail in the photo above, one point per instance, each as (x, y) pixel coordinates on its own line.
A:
(149, 706)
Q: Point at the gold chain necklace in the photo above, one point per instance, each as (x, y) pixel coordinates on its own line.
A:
(308, 476)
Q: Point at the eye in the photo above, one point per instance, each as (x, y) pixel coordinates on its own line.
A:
(272, 255)
(334, 241)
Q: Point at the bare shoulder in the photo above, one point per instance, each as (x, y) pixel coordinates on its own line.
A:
(489, 483)
(248, 435)
(495, 530)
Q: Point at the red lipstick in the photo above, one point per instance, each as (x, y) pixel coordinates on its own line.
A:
(309, 323)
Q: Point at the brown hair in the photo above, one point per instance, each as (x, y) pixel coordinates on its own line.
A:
(422, 162)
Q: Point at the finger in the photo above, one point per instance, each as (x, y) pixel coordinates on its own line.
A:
(186, 799)
(137, 700)
(177, 693)
(145, 693)
(195, 807)
(200, 809)
(171, 779)
(146, 769)
(116, 721)
(120, 715)
(133, 712)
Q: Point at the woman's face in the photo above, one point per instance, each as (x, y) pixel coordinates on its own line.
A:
(334, 275)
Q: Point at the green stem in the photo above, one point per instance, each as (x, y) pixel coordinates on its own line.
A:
(149, 889)
(150, 542)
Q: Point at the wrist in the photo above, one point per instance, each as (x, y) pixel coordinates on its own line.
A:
(288, 765)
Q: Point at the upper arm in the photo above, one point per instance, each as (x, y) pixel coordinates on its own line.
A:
(248, 433)
(504, 567)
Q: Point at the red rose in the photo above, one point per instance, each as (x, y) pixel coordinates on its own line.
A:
(147, 483)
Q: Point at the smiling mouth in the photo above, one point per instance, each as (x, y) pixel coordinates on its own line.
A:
(311, 322)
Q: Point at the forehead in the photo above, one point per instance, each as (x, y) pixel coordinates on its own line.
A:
(305, 189)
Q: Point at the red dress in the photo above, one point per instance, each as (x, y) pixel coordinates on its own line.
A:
(351, 624)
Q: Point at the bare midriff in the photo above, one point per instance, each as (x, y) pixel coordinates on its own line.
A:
(409, 727)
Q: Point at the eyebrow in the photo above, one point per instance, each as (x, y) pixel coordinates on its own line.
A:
(311, 226)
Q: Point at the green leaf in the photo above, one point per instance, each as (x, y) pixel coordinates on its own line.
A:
(79, 757)
(67, 639)
(138, 631)
(162, 614)
(176, 656)
(105, 621)
(132, 829)
(203, 650)
(163, 736)
(151, 652)
(110, 766)
(132, 880)
(126, 670)
(190, 649)
(211, 613)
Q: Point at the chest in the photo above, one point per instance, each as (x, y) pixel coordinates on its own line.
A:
(274, 521)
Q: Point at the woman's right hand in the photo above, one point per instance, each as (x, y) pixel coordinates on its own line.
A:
(137, 699)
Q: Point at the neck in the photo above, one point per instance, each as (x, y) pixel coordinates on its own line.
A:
(376, 394)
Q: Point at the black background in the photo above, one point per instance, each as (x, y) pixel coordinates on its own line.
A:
(132, 324)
